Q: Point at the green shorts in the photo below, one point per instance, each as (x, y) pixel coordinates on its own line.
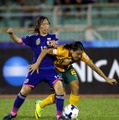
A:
(69, 75)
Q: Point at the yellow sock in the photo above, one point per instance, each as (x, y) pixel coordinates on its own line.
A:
(73, 99)
(47, 101)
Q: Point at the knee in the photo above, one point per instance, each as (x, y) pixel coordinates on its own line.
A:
(77, 87)
(59, 88)
(25, 90)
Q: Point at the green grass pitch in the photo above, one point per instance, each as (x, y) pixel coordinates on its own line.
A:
(103, 108)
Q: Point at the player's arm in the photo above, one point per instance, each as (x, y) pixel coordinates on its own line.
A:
(85, 58)
(100, 72)
(35, 66)
(43, 54)
(16, 39)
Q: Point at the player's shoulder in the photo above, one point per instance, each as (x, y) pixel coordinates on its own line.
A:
(51, 34)
(85, 56)
(32, 35)
(61, 47)
(62, 51)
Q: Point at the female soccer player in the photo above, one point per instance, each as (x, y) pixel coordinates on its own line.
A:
(37, 41)
(65, 55)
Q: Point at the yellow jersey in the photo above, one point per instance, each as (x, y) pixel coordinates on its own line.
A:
(63, 60)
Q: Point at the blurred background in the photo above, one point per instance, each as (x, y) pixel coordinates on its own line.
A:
(94, 22)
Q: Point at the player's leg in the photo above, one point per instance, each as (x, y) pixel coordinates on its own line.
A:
(51, 99)
(74, 96)
(41, 104)
(72, 80)
(29, 83)
(47, 101)
(20, 98)
(54, 80)
(58, 86)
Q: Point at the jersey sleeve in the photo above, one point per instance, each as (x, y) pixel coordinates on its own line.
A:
(26, 40)
(85, 58)
(61, 51)
(54, 37)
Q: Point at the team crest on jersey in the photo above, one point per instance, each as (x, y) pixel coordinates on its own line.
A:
(38, 41)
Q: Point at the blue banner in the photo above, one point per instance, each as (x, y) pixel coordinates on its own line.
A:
(97, 44)
(87, 44)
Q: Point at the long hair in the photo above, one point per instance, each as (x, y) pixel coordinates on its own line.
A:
(38, 22)
(77, 45)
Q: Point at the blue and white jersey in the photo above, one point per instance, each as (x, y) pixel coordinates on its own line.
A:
(37, 43)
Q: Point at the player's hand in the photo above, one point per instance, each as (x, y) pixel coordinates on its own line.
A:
(111, 81)
(52, 43)
(10, 31)
(33, 67)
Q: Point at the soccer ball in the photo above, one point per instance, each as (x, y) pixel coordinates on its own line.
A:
(70, 112)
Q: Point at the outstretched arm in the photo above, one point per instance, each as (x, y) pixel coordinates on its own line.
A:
(100, 72)
(16, 39)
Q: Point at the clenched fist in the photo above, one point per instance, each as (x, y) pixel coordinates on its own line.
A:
(10, 31)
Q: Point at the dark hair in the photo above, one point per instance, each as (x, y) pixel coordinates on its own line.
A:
(39, 21)
(75, 46)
